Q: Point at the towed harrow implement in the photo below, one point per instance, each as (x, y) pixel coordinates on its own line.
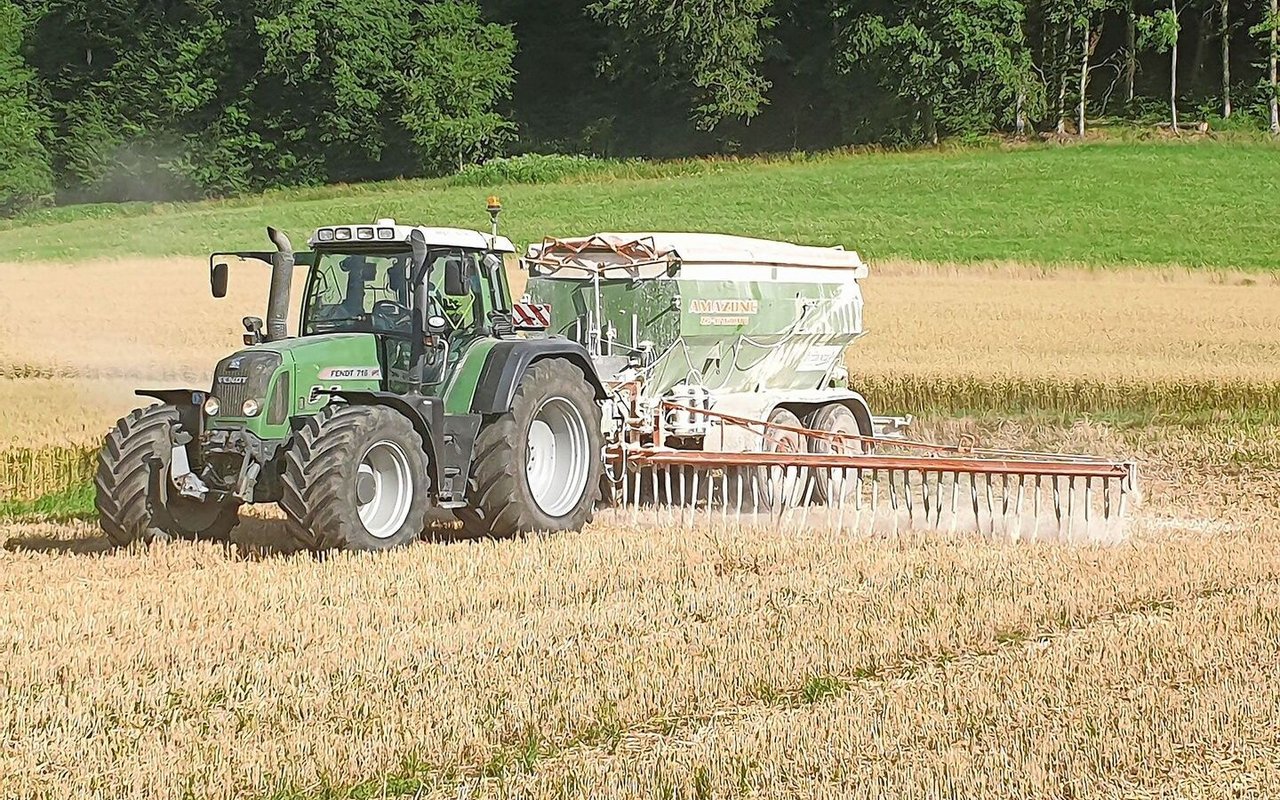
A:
(875, 484)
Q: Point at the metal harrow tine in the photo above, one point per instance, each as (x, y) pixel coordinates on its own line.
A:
(924, 495)
(991, 507)
(1017, 508)
(857, 499)
(955, 489)
(1057, 501)
(973, 492)
(875, 492)
(1088, 501)
(937, 501)
(906, 494)
(693, 501)
(1004, 498)
(738, 480)
(840, 501)
(1071, 505)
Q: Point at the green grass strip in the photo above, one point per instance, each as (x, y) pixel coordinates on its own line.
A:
(72, 503)
(1114, 204)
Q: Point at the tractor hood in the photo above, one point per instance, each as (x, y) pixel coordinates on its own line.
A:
(283, 378)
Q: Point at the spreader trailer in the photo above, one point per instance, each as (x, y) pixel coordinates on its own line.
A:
(680, 371)
(724, 358)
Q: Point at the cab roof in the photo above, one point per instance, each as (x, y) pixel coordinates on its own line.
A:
(388, 231)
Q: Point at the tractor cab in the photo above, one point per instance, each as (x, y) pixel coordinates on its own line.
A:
(409, 286)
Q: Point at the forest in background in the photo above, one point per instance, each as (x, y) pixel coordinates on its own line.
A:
(176, 99)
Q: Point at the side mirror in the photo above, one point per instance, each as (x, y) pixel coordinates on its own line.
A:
(253, 330)
(455, 278)
(437, 325)
(218, 280)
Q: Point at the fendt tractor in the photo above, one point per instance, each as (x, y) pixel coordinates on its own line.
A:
(696, 370)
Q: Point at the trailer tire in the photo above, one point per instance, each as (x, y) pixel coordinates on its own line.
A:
(538, 467)
(353, 480)
(122, 484)
(779, 487)
(833, 418)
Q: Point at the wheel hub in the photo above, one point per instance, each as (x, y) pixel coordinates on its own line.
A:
(384, 489)
(556, 457)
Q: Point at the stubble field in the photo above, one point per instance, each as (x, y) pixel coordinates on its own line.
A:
(650, 660)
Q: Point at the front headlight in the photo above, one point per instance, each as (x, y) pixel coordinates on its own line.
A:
(212, 406)
(251, 407)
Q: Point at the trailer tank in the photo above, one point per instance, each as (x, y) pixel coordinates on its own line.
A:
(744, 325)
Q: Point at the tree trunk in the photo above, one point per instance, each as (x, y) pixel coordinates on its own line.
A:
(1131, 53)
(1173, 70)
(1275, 86)
(1020, 115)
(930, 124)
(1225, 13)
(1062, 83)
(1084, 79)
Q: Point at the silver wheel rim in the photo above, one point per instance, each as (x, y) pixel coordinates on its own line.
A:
(385, 480)
(556, 464)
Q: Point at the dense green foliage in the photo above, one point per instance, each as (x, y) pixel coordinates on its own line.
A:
(178, 98)
(117, 100)
(1099, 205)
(25, 176)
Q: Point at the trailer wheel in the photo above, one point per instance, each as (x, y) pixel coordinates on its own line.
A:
(122, 485)
(539, 466)
(782, 487)
(828, 485)
(354, 479)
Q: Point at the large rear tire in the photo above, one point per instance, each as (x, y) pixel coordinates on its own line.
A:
(539, 466)
(122, 484)
(355, 479)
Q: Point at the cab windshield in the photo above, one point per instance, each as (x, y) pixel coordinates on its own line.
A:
(363, 292)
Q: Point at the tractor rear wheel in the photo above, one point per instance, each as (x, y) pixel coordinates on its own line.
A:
(122, 484)
(828, 485)
(355, 479)
(538, 467)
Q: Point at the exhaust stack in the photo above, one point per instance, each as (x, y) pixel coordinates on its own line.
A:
(281, 281)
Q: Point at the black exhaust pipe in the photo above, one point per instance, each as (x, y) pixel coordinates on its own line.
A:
(281, 280)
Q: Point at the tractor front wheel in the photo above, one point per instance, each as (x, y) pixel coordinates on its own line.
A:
(538, 467)
(122, 483)
(355, 479)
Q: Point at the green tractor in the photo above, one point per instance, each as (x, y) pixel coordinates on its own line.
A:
(405, 391)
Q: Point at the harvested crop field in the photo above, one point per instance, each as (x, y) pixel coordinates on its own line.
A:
(646, 659)
(658, 661)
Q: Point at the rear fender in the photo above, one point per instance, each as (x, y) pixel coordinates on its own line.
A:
(510, 359)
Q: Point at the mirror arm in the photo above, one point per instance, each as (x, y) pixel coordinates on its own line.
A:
(419, 275)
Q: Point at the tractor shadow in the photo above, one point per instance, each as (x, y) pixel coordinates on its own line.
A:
(254, 539)
(88, 545)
